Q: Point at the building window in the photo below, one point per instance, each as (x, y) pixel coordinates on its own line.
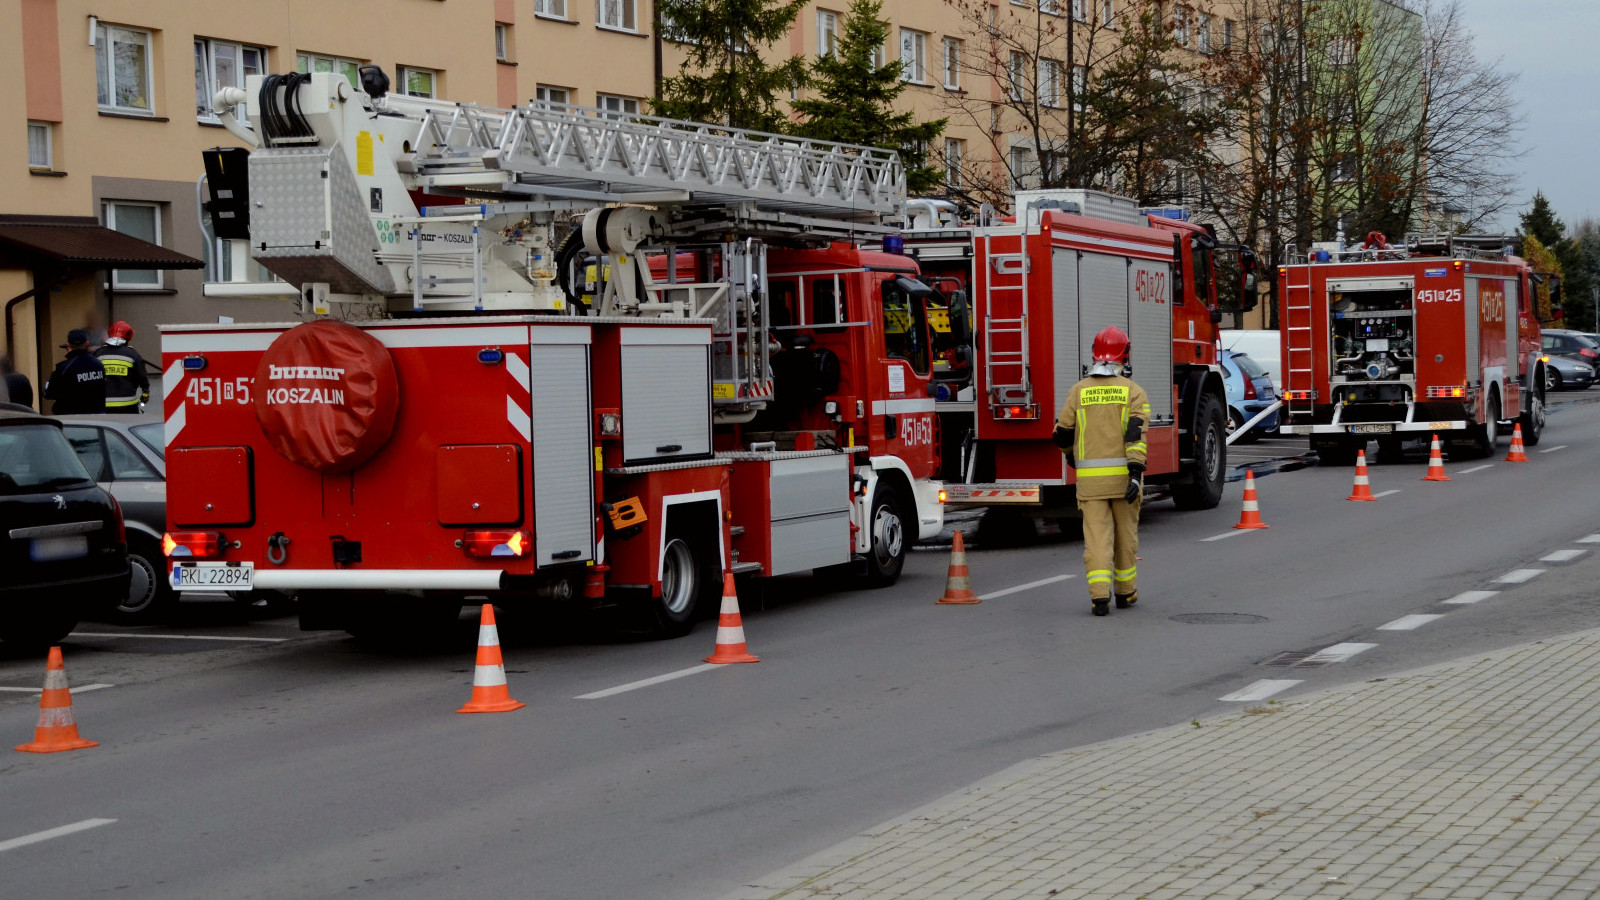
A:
(122, 66)
(1049, 83)
(550, 9)
(1050, 7)
(312, 62)
(502, 41)
(1108, 14)
(222, 64)
(913, 56)
(1080, 10)
(618, 14)
(827, 33)
(1021, 167)
(1204, 33)
(139, 220)
(1080, 85)
(1341, 50)
(618, 105)
(1227, 34)
(39, 149)
(1017, 73)
(415, 82)
(953, 151)
(1180, 26)
(880, 55)
(544, 93)
(952, 64)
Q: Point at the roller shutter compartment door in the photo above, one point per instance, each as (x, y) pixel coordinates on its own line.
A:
(563, 450)
(1067, 364)
(666, 395)
(1150, 321)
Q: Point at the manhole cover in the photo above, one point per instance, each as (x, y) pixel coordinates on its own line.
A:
(1218, 619)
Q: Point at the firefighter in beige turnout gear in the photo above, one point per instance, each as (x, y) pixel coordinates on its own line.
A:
(1101, 430)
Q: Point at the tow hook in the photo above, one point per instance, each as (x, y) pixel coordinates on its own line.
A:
(278, 549)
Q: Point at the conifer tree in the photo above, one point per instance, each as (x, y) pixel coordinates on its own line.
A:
(725, 78)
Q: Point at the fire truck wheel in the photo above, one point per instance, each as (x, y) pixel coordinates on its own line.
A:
(889, 545)
(1211, 459)
(1532, 421)
(1485, 438)
(684, 577)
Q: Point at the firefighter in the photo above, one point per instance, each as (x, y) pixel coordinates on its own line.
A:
(127, 382)
(1101, 430)
(78, 384)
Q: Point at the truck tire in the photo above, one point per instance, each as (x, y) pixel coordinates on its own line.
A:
(1484, 440)
(150, 594)
(1211, 458)
(1532, 419)
(887, 526)
(688, 576)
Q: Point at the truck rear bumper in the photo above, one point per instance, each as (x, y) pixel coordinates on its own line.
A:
(1000, 494)
(1392, 427)
(378, 579)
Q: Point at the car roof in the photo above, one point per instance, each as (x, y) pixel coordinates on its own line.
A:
(17, 414)
(111, 419)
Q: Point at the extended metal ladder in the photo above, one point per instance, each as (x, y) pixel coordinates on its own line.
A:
(1298, 366)
(1007, 372)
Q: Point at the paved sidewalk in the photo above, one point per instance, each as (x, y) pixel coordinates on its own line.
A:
(1478, 778)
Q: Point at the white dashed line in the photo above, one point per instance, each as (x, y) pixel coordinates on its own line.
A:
(173, 637)
(1408, 623)
(1475, 469)
(49, 833)
(1336, 653)
(1567, 555)
(1591, 539)
(1518, 576)
(1466, 597)
(1228, 534)
(39, 690)
(1386, 493)
(1261, 690)
(1025, 587)
(1554, 449)
(647, 682)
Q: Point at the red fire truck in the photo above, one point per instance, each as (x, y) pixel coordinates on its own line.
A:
(757, 405)
(1436, 336)
(1040, 284)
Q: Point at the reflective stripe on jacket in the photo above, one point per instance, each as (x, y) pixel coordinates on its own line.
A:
(127, 383)
(1105, 417)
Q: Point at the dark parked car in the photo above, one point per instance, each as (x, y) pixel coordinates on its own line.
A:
(125, 455)
(1573, 344)
(62, 545)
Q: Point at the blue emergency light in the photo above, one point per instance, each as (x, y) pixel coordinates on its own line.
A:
(894, 243)
(491, 356)
(194, 363)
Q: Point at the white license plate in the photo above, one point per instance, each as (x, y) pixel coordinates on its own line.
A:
(55, 549)
(203, 576)
(1382, 428)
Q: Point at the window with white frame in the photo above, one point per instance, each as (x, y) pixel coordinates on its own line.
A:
(1341, 50)
(618, 14)
(1021, 167)
(502, 41)
(1203, 33)
(139, 220)
(222, 64)
(551, 9)
(545, 93)
(417, 82)
(954, 150)
(1180, 26)
(314, 62)
(1080, 10)
(122, 58)
(40, 151)
(617, 104)
(952, 64)
(1108, 13)
(913, 56)
(1227, 34)
(1049, 83)
(1050, 7)
(1080, 85)
(827, 33)
(1017, 74)
(880, 54)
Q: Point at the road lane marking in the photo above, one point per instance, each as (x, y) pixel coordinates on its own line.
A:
(1228, 534)
(1025, 587)
(1475, 469)
(1567, 555)
(39, 690)
(1518, 576)
(1336, 653)
(647, 682)
(1408, 623)
(1466, 597)
(49, 833)
(1260, 690)
(1386, 493)
(1591, 539)
(174, 637)
(1554, 449)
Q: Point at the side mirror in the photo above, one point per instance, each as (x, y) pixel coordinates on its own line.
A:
(960, 317)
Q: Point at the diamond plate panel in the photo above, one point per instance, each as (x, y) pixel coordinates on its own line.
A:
(309, 222)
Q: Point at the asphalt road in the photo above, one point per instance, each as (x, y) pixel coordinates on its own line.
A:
(280, 764)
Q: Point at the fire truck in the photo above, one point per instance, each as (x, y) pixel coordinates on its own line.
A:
(1036, 287)
(1438, 335)
(459, 417)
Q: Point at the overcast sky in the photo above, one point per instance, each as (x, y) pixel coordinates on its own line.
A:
(1552, 43)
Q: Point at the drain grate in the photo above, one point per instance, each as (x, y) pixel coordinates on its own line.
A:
(1297, 659)
(1218, 619)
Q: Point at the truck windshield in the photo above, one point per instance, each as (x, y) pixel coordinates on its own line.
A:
(36, 457)
(905, 323)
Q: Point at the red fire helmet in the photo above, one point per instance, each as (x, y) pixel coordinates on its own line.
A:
(1111, 345)
(120, 330)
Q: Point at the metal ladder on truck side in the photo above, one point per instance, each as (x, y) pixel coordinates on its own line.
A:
(1000, 360)
(1299, 365)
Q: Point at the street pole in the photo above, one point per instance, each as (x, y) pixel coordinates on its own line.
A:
(1594, 294)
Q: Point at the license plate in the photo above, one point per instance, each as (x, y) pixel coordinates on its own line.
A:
(217, 576)
(55, 549)
(1383, 428)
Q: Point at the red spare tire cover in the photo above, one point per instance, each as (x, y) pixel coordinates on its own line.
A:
(326, 395)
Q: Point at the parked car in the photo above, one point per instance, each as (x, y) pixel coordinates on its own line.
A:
(1567, 373)
(125, 455)
(1262, 346)
(1572, 344)
(62, 547)
(1250, 391)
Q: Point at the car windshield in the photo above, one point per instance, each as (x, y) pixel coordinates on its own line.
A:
(151, 436)
(1250, 366)
(37, 457)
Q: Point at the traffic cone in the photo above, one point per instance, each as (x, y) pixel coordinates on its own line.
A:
(957, 585)
(1436, 463)
(1516, 454)
(1251, 516)
(489, 691)
(730, 629)
(56, 731)
(1362, 490)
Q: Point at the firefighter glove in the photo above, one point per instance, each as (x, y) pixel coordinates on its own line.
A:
(1135, 483)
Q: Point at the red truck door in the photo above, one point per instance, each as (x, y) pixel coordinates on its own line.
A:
(907, 364)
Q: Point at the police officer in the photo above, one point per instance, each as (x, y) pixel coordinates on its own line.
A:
(127, 382)
(1101, 430)
(78, 384)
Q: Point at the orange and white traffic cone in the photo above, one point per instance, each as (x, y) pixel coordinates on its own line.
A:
(56, 731)
(730, 629)
(1251, 516)
(1362, 490)
(489, 691)
(1436, 463)
(1516, 454)
(958, 584)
